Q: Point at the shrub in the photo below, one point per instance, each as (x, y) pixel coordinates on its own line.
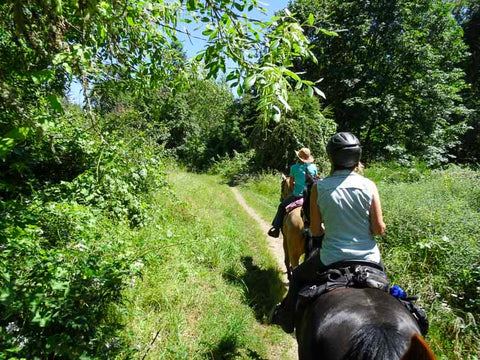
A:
(307, 124)
(235, 169)
(62, 268)
(67, 249)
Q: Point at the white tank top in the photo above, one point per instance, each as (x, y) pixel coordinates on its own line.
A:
(344, 200)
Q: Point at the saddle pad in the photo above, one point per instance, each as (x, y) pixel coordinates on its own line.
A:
(294, 205)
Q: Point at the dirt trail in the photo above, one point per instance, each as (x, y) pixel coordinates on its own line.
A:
(276, 247)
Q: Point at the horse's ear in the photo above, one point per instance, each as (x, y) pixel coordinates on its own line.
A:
(284, 177)
(418, 349)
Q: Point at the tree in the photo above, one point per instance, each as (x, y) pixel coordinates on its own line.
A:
(392, 74)
(305, 124)
(468, 16)
(128, 47)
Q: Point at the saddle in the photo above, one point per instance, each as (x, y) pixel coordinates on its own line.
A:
(359, 274)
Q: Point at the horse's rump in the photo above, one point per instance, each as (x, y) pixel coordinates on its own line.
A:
(379, 342)
(353, 321)
(293, 239)
(292, 229)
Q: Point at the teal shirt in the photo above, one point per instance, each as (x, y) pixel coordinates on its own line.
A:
(344, 200)
(298, 172)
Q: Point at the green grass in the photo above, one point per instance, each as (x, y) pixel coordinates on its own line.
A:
(263, 194)
(209, 281)
(431, 247)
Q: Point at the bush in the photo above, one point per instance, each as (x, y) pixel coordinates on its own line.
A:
(57, 150)
(67, 249)
(235, 169)
(307, 124)
(398, 173)
(62, 268)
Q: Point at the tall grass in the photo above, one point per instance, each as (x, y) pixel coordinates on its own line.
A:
(431, 247)
(262, 192)
(209, 282)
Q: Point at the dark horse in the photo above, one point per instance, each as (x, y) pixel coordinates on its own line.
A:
(358, 324)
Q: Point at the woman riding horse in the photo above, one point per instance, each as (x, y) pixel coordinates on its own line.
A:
(299, 172)
(348, 206)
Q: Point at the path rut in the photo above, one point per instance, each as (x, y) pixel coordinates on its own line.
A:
(275, 245)
(276, 248)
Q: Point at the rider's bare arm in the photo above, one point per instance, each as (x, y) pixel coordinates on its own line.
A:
(315, 216)
(377, 225)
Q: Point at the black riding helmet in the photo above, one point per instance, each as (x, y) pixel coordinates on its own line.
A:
(344, 150)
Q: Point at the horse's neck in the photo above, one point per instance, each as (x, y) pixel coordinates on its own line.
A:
(287, 188)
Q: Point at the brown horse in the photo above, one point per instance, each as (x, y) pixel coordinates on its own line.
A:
(292, 230)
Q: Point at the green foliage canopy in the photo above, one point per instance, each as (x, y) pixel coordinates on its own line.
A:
(392, 75)
(468, 16)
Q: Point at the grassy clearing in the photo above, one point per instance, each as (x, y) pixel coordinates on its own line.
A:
(430, 249)
(209, 281)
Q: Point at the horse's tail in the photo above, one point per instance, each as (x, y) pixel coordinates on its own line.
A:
(377, 342)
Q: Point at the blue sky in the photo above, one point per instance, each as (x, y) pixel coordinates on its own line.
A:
(191, 47)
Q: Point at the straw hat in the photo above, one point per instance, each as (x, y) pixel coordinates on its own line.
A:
(304, 155)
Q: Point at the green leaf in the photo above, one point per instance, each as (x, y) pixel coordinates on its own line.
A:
(277, 115)
(274, 45)
(192, 5)
(67, 68)
(231, 76)
(249, 82)
(55, 103)
(328, 32)
(310, 91)
(284, 102)
(319, 92)
(311, 19)
(43, 76)
(292, 75)
(6, 146)
(130, 20)
(239, 7)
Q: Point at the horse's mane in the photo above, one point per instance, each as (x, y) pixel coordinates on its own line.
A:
(377, 342)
